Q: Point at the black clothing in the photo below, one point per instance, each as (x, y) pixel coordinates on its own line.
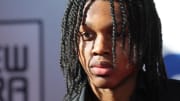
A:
(172, 93)
(169, 93)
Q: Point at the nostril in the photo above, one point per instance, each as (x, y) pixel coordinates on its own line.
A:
(95, 54)
(101, 51)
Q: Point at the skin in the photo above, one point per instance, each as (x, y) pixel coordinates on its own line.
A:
(109, 82)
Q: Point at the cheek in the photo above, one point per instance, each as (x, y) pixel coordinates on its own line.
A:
(125, 65)
(121, 53)
(84, 53)
(122, 56)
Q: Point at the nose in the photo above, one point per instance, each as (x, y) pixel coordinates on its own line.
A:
(102, 45)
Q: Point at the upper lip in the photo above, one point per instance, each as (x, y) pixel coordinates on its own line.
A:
(102, 64)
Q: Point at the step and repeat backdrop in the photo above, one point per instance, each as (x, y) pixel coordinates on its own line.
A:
(169, 15)
(29, 48)
(21, 60)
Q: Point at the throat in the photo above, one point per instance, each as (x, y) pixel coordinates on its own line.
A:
(122, 92)
(111, 95)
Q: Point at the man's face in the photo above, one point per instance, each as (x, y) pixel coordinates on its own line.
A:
(95, 48)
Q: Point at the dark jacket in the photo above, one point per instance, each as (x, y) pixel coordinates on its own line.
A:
(170, 93)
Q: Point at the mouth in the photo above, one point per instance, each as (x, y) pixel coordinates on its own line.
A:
(101, 69)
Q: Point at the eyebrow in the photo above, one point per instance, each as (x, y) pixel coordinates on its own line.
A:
(109, 24)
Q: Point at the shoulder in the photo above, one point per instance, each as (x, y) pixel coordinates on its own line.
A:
(86, 94)
(173, 85)
(81, 96)
(171, 92)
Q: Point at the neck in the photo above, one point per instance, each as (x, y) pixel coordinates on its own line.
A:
(122, 92)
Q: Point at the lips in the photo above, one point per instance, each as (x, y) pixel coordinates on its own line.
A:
(101, 69)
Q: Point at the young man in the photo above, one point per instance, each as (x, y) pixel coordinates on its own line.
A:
(111, 50)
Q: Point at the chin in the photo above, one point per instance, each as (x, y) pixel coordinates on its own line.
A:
(111, 83)
(104, 82)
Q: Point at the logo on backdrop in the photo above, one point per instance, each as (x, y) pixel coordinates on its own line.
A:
(172, 61)
(21, 64)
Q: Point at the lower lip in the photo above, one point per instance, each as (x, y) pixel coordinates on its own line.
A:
(101, 71)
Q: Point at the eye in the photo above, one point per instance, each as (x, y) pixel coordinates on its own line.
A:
(87, 36)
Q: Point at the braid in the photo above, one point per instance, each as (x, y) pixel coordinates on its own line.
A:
(114, 32)
(123, 25)
(145, 30)
(69, 57)
(123, 20)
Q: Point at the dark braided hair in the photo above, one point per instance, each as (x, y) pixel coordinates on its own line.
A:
(145, 41)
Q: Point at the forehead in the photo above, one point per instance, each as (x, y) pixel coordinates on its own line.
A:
(101, 7)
